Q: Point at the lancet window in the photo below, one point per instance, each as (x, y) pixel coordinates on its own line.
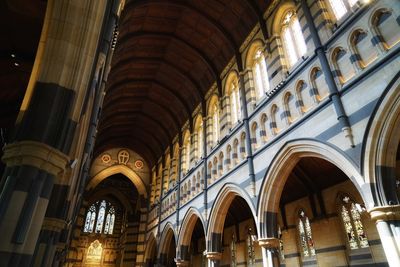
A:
(104, 221)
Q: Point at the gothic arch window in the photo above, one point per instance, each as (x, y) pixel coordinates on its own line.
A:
(233, 251)
(199, 141)
(104, 221)
(281, 248)
(90, 218)
(213, 122)
(305, 236)
(232, 92)
(260, 74)
(292, 37)
(353, 226)
(340, 8)
(186, 150)
(251, 257)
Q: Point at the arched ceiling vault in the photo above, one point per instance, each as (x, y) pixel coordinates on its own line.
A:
(168, 55)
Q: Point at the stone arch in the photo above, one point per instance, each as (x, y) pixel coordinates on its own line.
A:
(151, 250)
(167, 235)
(219, 210)
(284, 162)
(188, 223)
(253, 48)
(380, 144)
(122, 169)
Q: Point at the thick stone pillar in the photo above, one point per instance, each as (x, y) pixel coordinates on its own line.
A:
(33, 171)
(214, 259)
(269, 248)
(387, 219)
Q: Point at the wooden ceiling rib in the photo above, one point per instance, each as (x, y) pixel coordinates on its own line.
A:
(168, 55)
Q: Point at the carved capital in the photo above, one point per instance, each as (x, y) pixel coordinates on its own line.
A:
(269, 242)
(39, 155)
(385, 213)
(214, 256)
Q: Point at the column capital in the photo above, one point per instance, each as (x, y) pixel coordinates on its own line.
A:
(213, 255)
(36, 154)
(269, 242)
(182, 263)
(385, 213)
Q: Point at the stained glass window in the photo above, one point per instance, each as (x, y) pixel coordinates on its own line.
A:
(102, 219)
(306, 240)
(233, 251)
(250, 249)
(293, 39)
(281, 250)
(353, 226)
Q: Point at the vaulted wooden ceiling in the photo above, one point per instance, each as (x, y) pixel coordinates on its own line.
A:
(168, 55)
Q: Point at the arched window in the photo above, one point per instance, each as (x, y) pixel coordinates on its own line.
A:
(260, 74)
(105, 216)
(215, 122)
(186, 152)
(234, 99)
(200, 139)
(306, 240)
(100, 217)
(292, 38)
(90, 218)
(109, 227)
(341, 7)
(251, 257)
(353, 226)
(233, 251)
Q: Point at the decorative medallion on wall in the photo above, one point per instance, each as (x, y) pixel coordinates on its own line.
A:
(106, 158)
(123, 157)
(139, 164)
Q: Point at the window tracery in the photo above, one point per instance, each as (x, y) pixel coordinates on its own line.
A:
(260, 74)
(293, 39)
(341, 7)
(353, 226)
(105, 217)
(305, 234)
(235, 107)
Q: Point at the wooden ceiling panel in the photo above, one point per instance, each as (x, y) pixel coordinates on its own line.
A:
(172, 51)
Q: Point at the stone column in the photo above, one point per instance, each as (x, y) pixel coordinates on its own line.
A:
(269, 247)
(387, 219)
(214, 259)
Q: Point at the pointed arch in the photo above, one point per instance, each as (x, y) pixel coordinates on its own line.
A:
(167, 235)
(122, 169)
(284, 162)
(381, 140)
(220, 208)
(188, 224)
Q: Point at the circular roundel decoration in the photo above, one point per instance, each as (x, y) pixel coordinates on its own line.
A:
(139, 164)
(106, 158)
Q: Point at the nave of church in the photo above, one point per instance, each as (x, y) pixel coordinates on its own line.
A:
(206, 133)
